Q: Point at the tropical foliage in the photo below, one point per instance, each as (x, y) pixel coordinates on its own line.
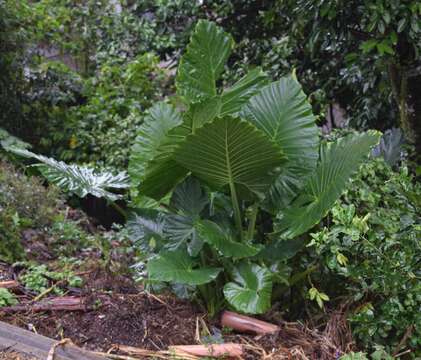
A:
(232, 151)
(235, 190)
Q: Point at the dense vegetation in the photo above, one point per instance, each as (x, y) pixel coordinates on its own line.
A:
(240, 140)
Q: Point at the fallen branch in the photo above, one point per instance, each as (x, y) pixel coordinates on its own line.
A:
(65, 303)
(213, 350)
(248, 324)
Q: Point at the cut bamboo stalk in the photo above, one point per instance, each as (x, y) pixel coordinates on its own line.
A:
(65, 303)
(161, 354)
(213, 350)
(247, 324)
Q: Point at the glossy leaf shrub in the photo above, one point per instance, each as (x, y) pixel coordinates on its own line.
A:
(371, 253)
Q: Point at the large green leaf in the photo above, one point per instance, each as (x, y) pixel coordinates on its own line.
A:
(212, 234)
(251, 290)
(231, 152)
(235, 97)
(179, 267)
(152, 134)
(79, 180)
(282, 111)
(203, 62)
(145, 227)
(181, 230)
(188, 200)
(202, 112)
(338, 161)
(163, 173)
(228, 103)
(279, 250)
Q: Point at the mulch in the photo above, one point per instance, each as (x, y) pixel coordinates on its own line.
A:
(150, 322)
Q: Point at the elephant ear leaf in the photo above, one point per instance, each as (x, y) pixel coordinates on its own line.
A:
(179, 267)
(282, 111)
(234, 98)
(188, 199)
(145, 227)
(203, 62)
(212, 234)
(152, 170)
(231, 152)
(251, 290)
(338, 161)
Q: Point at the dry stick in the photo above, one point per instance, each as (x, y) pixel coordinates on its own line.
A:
(113, 356)
(42, 294)
(200, 321)
(407, 334)
(247, 324)
(57, 344)
(402, 353)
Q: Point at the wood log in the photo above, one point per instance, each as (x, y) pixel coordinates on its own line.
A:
(247, 324)
(9, 284)
(230, 350)
(65, 303)
(26, 342)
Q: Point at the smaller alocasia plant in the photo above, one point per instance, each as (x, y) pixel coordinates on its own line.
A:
(75, 179)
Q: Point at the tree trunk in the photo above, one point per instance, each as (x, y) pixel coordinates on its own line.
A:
(406, 86)
(413, 112)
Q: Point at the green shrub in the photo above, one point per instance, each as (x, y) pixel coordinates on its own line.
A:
(34, 204)
(371, 243)
(24, 203)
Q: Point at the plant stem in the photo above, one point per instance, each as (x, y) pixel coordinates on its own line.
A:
(252, 223)
(119, 209)
(298, 277)
(237, 212)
